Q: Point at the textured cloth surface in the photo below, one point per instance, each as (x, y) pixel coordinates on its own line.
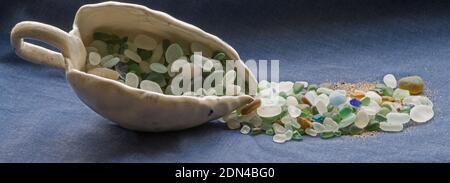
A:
(42, 120)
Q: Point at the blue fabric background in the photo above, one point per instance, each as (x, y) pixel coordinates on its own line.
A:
(42, 120)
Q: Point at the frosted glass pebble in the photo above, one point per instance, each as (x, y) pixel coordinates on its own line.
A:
(150, 86)
(311, 132)
(289, 134)
(294, 123)
(159, 68)
(425, 101)
(362, 119)
(347, 121)
(132, 55)
(286, 119)
(286, 86)
(131, 79)
(173, 52)
(279, 100)
(372, 108)
(279, 138)
(291, 100)
(414, 84)
(111, 62)
(400, 94)
(318, 127)
(397, 118)
(106, 58)
(418, 100)
(94, 58)
(323, 98)
(289, 127)
(268, 111)
(391, 127)
(390, 81)
(233, 124)
(294, 111)
(330, 125)
(157, 53)
(336, 98)
(278, 129)
(311, 96)
(374, 96)
(421, 113)
(145, 42)
(321, 107)
(198, 47)
(245, 129)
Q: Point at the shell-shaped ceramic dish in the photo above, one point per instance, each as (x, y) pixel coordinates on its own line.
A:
(129, 107)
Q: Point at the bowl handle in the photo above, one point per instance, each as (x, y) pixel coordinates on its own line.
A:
(43, 32)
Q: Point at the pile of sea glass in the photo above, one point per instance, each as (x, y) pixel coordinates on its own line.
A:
(289, 110)
(284, 110)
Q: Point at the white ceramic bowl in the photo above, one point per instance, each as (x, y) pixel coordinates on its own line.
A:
(131, 108)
